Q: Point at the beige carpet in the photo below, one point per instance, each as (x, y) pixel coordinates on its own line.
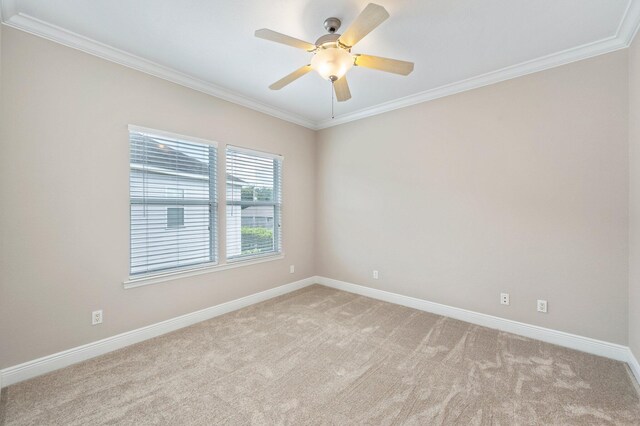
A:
(322, 356)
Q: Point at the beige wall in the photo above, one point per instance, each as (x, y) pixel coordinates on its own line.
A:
(65, 209)
(634, 198)
(519, 187)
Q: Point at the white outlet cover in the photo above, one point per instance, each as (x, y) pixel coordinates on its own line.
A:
(542, 306)
(292, 269)
(96, 317)
(376, 275)
(504, 298)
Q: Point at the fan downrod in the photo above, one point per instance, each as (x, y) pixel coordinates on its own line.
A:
(332, 24)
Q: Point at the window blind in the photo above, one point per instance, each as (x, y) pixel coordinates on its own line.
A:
(254, 203)
(172, 186)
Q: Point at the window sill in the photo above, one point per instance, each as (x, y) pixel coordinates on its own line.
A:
(133, 282)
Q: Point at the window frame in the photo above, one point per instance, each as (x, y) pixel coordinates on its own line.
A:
(221, 263)
(277, 205)
(212, 202)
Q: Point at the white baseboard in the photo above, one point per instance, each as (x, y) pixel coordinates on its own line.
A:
(27, 370)
(581, 343)
(634, 365)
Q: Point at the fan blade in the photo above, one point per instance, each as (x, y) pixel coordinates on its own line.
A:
(290, 78)
(372, 16)
(284, 39)
(384, 64)
(342, 89)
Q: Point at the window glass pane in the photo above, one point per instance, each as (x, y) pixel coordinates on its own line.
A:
(172, 191)
(253, 204)
(256, 230)
(155, 246)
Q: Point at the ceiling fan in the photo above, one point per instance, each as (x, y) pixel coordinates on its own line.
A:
(332, 56)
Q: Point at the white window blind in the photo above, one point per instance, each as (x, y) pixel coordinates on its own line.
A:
(254, 203)
(172, 184)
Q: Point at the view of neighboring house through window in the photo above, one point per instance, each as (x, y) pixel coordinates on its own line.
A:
(175, 217)
(173, 201)
(253, 203)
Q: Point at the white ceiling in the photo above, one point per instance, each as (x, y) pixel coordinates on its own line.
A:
(454, 43)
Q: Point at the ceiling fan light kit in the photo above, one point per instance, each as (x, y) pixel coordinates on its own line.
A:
(332, 57)
(332, 62)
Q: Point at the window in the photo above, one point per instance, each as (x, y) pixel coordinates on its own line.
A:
(253, 203)
(172, 187)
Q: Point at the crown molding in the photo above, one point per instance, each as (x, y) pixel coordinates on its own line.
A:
(623, 38)
(60, 35)
(630, 23)
(508, 73)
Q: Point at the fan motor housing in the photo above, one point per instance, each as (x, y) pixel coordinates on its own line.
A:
(327, 38)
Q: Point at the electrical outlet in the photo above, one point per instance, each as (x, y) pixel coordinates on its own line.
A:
(292, 269)
(542, 306)
(504, 298)
(376, 275)
(96, 317)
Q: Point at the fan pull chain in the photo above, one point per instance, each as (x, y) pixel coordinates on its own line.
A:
(332, 102)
